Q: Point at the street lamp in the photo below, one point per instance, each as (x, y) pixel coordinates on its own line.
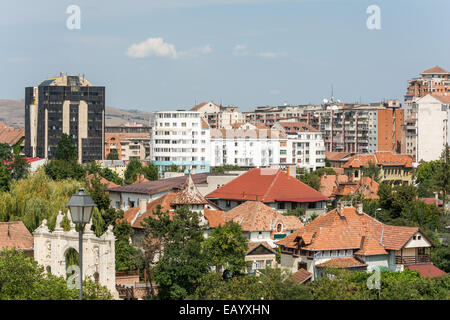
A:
(80, 206)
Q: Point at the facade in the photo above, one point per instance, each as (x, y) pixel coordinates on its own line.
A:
(358, 128)
(65, 104)
(218, 116)
(180, 138)
(433, 115)
(434, 81)
(248, 148)
(346, 237)
(274, 188)
(305, 144)
(128, 145)
(269, 115)
(395, 169)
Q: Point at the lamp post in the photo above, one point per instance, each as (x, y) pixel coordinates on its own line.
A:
(80, 206)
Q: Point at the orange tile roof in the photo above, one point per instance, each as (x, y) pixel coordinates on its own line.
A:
(267, 185)
(256, 216)
(108, 183)
(214, 217)
(300, 276)
(205, 125)
(10, 135)
(197, 107)
(340, 185)
(15, 235)
(334, 231)
(371, 247)
(435, 69)
(379, 158)
(189, 194)
(336, 156)
(342, 263)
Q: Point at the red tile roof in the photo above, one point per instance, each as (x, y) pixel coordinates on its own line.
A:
(371, 247)
(343, 263)
(435, 69)
(189, 194)
(256, 216)
(427, 270)
(336, 156)
(253, 245)
(214, 217)
(379, 158)
(10, 135)
(334, 231)
(15, 235)
(300, 276)
(108, 183)
(267, 185)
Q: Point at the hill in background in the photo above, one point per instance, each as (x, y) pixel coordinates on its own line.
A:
(12, 112)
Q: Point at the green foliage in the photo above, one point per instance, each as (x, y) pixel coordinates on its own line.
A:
(134, 168)
(66, 149)
(441, 258)
(5, 152)
(61, 169)
(174, 168)
(373, 171)
(441, 178)
(226, 247)
(327, 163)
(126, 253)
(297, 212)
(21, 278)
(108, 174)
(271, 284)
(322, 171)
(98, 192)
(183, 261)
(113, 155)
(5, 178)
(36, 198)
(150, 172)
(19, 167)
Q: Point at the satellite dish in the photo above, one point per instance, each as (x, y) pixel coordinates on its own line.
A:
(325, 100)
(339, 101)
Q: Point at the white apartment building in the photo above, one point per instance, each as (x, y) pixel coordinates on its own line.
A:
(218, 116)
(180, 138)
(433, 114)
(305, 144)
(248, 148)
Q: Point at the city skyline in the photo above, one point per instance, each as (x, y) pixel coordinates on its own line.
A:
(251, 53)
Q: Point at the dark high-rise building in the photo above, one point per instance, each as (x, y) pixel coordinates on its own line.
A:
(65, 104)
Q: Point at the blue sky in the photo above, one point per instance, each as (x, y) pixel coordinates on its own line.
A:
(240, 52)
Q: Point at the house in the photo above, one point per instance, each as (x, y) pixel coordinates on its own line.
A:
(346, 237)
(109, 184)
(16, 235)
(188, 195)
(273, 187)
(260, 222)
(301, 276)
(338, 159)
(337, 186)
(395, 169)
(261, 256)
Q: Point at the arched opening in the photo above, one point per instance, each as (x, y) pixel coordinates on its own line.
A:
(71, 257)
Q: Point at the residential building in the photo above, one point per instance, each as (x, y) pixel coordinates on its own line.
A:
(218, 116)
(358, 128)
(346, 237)
(11, 135)
(260, 255)
(274, 188)
(395, 169)
(16, 235)
(260, 222)
(128, 145)
(269, 115)
(434, 81)
(340, 185)
(65, 104)
(248, 148)
(117, 166)
(180, 138)
(338, 159)
(305, 144)
(433, 114)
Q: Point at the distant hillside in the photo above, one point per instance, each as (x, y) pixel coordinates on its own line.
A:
(12, 113)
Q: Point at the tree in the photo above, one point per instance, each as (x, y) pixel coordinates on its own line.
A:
(134, 168)
(21, 278)
(150, 172)
(98, 192)
(183, 261)
(327, 163)
(424, 175)
(441, 178)
(66, 149)
(19, 167)
(441, 258)
(297, 212)
(372, 171)
(174, 168)
(226, 247)
(402, 197)
(5, 178)
(385, 196)
(126, 253)
(5, 152)
(113, 155)
(61, 170)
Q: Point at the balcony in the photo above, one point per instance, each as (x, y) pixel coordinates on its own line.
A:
(419, 259)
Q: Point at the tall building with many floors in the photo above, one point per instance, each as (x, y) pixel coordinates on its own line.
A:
(65, 104)
(180, 138)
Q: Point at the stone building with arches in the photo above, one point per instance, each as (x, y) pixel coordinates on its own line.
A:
(51, 250)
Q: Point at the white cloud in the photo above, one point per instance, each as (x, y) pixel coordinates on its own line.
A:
(152, 47)
(240, 50)
(159, 48)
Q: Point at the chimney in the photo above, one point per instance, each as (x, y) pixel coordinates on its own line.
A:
(340, 207)
(142, 206)
(359, 207)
